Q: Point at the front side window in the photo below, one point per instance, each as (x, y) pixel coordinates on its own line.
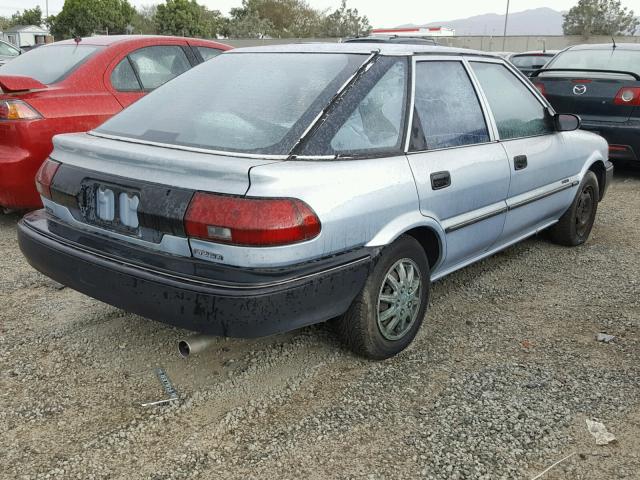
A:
(370, 118)
(241, 102)
(517, 111)
(447, 110)
(50, 63)
(157, 65)
(123, 78)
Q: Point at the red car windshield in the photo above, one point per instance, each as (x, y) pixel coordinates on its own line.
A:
(49, 64)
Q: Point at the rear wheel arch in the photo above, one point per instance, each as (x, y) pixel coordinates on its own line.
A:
(430, 242)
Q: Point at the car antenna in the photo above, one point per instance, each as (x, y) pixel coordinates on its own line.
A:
(614, 41)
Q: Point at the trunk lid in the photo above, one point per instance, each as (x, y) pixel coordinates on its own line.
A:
(139, 191)
(176, 167)
(588, 94)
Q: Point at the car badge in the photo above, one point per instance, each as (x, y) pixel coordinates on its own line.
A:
(579, 89)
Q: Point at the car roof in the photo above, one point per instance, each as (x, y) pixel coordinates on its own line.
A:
(361, 48)
(606, 46)
(393, 39)
(537, 52)
(106, 40)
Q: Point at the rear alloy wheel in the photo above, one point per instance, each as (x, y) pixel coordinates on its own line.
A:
(386, 316)
(399, 299)
(575, 225)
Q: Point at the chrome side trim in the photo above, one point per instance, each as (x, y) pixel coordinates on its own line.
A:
(474, 220)
(412, 100)
(197, 281)
(540, 196)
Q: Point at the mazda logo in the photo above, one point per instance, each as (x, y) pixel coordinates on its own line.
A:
(580, 89)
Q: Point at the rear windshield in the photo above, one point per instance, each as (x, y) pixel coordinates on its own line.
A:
(49, 64)
(622, 60)
(530, 61)
(244, 102)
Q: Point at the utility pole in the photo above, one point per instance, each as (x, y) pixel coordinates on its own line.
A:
(46, 9)
(506, 21)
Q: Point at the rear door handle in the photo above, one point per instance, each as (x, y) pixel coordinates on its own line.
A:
(440, 180)
(520, 162)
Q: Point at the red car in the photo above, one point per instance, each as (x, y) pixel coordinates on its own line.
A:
(74, 86)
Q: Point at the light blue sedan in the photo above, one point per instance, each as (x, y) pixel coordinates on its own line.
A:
(277, 187)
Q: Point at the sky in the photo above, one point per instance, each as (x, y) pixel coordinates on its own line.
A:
(381, 13)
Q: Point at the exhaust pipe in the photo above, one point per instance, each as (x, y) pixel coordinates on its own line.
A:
(195, 344)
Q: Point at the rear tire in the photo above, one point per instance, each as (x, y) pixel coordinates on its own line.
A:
(575, 225)
(386, 315)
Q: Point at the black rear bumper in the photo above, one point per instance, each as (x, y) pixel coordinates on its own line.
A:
(226, 305)
(624, 139)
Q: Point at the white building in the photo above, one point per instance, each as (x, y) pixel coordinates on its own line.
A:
(415, 32)
(25, 35)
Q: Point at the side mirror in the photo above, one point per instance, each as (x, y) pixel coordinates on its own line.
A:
(566, 122)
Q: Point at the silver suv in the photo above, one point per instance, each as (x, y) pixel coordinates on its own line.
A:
(278, 187)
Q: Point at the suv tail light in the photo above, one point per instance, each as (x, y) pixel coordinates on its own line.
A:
(628, 96)
(250, 221)
(44, 177)
(541, 89)
(17, 110)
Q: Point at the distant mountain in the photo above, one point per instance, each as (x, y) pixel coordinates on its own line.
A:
(538, 21)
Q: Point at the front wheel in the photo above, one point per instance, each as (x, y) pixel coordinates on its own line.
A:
(386, 316)
(575, 225)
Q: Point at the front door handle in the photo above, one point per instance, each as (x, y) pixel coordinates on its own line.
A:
(440, 180)
(520, 162)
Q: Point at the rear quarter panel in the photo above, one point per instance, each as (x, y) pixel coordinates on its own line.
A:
(359, 203)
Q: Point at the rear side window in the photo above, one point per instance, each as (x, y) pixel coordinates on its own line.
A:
(123, 78)
(49, 64)
(370, 118)
(447, 110)
(8, 50)
(157, 65)
(530, 61)
(517, 111)
(208, 53)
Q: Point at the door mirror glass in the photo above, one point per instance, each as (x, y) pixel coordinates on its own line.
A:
(566, 122)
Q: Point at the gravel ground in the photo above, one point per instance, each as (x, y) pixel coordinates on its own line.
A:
(497, 385)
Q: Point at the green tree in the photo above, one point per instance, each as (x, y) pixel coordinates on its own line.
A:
(143, 20)
(246, 24)
(29, 16)
(187, 18)
(285, 18)
(85, 17)
(599, 17)
(346, 22)
(4, 23)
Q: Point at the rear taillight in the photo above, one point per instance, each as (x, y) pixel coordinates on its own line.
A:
(44, 177)
(250, 221)
(17, 110)
(628, 96)
(541, 89)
